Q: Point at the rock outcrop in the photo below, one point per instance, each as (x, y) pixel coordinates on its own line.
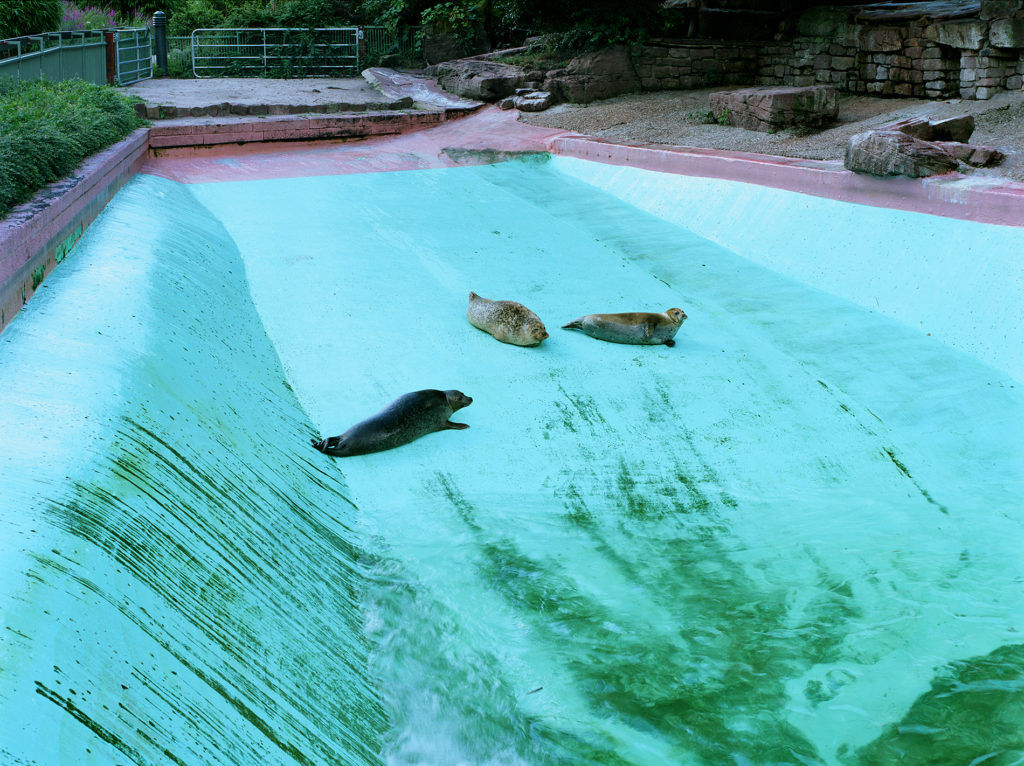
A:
(918, 147)
(776, 108)
(478, 79)
(894, 153)
(593, 76)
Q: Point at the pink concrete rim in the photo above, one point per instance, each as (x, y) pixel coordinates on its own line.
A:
(951, 196)
(499, 132)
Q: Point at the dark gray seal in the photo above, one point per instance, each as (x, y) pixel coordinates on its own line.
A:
(640, 328)
(406, 419)
(508, 321)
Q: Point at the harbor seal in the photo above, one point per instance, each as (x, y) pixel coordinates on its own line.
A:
(406, 419)
(508, 321)
(640, 328)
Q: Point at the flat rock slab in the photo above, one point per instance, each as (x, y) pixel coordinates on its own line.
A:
(933, 9)
(424, 91)
(766, 109)
(957, 128)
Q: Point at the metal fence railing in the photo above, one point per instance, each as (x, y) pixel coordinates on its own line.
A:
(134, 55)
(282, 52)
(56, 56)
(381, 41)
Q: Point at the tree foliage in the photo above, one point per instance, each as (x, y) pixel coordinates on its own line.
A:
(29, 17)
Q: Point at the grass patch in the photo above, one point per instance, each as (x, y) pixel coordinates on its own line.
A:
(48, 128)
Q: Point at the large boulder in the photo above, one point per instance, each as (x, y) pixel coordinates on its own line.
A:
(768, 109)
(894, 153)
(477, 79)
(593, 76)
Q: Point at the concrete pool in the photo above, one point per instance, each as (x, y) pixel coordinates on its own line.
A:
(792, 538)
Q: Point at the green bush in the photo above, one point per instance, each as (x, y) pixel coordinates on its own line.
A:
(194, 14)
(48, 128)
(29, 17)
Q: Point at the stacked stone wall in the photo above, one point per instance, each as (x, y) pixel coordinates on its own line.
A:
(702, 64)
(974, 57)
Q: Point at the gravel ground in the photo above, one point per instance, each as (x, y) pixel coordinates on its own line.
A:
(677, 118)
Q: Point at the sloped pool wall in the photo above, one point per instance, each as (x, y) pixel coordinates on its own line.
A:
(794, 537)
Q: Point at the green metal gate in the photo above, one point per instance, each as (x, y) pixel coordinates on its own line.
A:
(134, 55)
(279, 52)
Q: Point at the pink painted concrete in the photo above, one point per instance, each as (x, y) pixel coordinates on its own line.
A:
(243, 130)
(952, 195)
(486, 131)
(244, 149)
(494, 130)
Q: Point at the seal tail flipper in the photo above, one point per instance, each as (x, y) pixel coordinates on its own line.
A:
(576, 324)
(456, 426)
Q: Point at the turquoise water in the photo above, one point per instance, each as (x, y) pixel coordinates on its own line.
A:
(793, 538)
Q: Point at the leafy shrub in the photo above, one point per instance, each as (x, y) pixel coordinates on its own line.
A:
(457, 21)
(48, 128)
(76, 18)
(136, 17)
(28, 17)
(194, 14)
(583, 25)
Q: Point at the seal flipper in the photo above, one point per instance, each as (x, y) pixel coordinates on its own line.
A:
(576, 324)
(670, 343)
(333, 446)
(455, 426)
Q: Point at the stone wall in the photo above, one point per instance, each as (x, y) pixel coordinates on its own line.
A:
(973, 54)
(671, 65)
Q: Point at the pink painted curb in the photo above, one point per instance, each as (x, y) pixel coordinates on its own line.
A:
(289, 128)
(950, 196)
(36, 235)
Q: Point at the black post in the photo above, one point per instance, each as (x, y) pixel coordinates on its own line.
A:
(160, 41)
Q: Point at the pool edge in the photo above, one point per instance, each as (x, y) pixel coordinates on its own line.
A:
(37, 235)
(950, 196)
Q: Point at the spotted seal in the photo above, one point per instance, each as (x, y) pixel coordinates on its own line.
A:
(508, 321)
(641, 328)
(406, 419)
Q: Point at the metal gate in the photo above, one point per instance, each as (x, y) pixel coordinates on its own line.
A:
(133, 49)
(277, 52)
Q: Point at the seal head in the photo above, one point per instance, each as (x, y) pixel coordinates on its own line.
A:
(508, 321)
(640, 328)
(406, 419)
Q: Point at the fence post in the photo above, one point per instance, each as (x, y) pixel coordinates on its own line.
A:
(160, 41)
(109, 36)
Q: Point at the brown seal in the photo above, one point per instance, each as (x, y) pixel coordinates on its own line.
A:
(406, 419)
(641, 328)
(508, 321)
